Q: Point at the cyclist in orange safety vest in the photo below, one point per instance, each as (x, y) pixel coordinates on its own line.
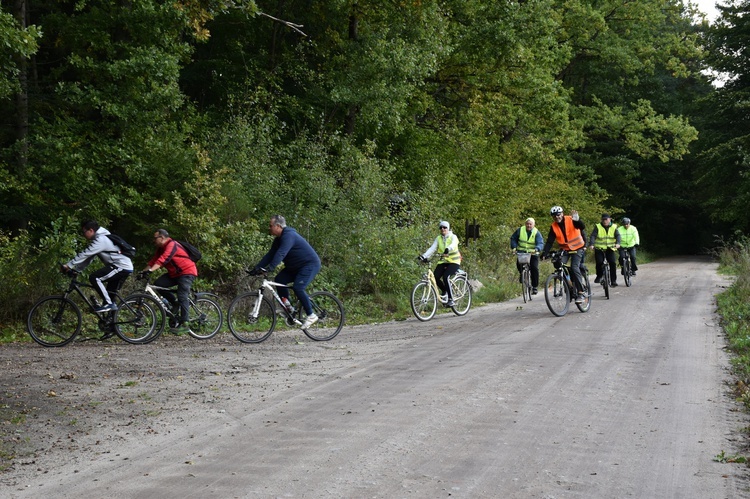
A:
(566, 230)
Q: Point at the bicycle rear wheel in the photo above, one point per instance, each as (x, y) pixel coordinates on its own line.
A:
(244, 324)
(585, 305)
(140, 319)
(54, 321)
(330, 312)
(461, 291)
(205, 318)
(557, 295)
(423, 301)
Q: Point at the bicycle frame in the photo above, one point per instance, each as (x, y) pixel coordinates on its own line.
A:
(271, 286)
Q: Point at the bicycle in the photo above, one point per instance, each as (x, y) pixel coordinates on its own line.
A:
(426, 294)
(252, 315)
(627, 270)
(559, 287)
(56, 320)
(524, 259)
(204, 314)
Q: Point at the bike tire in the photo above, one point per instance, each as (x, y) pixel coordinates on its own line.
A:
(330, 312)
(140, 319)
(461, 291)
(243, 325)
(606, 280)
(527, 296)
(54, 321)
(585, 306)
(557, 295)
(423, 301)
(626, 272)
(205, 318)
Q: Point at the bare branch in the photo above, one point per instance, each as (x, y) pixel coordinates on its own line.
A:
(295, 27)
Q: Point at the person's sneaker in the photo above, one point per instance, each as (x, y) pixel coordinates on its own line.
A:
(534, 291)
(598, 280)
(180, 330)
(633, 273)
(450, 303)
(579, 299)
(311, 319)
(614, 284)
(109, 307)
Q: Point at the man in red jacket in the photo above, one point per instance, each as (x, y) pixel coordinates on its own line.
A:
(181, 271)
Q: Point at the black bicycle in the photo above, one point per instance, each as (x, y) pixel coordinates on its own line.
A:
(627, 269)
(56, 320)
(606, 281)
(559, 288)
(524, 259)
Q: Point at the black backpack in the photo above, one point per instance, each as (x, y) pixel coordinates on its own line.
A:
(193, 252)
(126, 248)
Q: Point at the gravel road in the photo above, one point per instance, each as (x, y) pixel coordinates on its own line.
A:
(632, 399)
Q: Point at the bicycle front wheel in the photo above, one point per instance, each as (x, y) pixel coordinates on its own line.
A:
(585, 305)
(330, 312)
(626, 272)
(54, 321)
(140, 319)
(526, 285)
(245, 324)
(423, 301)
(557, 295)
(606, 280)
(461, 290)
(205, 318)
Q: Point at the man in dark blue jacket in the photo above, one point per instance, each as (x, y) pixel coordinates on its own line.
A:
(301, 263)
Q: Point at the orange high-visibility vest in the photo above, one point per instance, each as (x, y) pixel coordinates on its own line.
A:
(572, 239)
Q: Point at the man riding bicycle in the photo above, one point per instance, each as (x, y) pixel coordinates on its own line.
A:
(629, 239)
(528, 239)
(301, 264)
(605, 239)
(567, 232)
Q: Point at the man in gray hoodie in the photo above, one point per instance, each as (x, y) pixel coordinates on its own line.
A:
(117, 267)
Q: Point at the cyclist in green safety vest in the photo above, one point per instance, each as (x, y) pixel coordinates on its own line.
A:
(605, 239)
(528, 239)
(629, 239)
(446, 245)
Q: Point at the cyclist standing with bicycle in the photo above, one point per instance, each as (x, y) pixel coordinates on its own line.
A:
(605, 239)
(181, 272)
(566, 230)
(301, 264)
(528, 239)
(629, 239)
(446, 245)
(117, 267)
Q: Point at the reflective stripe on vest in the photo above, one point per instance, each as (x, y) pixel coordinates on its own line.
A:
(526, 242)
(572, 239)
(453, 256)
(605, 238)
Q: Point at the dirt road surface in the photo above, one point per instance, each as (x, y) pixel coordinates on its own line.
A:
(631, 399)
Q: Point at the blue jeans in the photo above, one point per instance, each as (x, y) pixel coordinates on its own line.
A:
(300, 278)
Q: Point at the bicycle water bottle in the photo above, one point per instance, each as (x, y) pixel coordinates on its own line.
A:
(166, 303)
(287, 305)
(94, 301)
(568, 281)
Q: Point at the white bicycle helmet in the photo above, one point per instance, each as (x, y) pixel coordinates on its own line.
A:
(556, 210)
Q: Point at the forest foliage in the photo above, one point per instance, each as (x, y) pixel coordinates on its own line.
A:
(364, 123)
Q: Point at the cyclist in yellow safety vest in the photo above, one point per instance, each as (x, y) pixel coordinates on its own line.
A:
(629, 239)
(605, 239)
(528, 239)
(446, 245)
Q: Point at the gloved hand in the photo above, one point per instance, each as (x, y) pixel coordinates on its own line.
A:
(421, 259)
(446, 251)
(254, 271)
(143, 274)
